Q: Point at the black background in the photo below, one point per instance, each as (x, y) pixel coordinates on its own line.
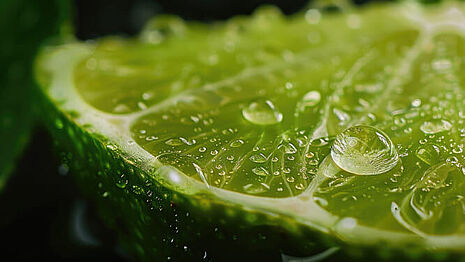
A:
(40, 205)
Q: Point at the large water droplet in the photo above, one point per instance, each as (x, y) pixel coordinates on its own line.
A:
(364, 150)
(435, 126)
(262, 112)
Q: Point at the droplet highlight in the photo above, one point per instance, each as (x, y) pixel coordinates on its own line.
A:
(262, 112)
(364, 150)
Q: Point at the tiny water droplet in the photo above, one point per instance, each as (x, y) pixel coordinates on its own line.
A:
(202, 149)
(288, 148)
(256, 189)
(441, 64)
(237, 143)
(262, 112)
(428, 154)
(58, 123)
(300, 186)
(122, 184)
(311, 98)
(364, 150)
(151, 138)
(416, 103)
(313, 16)
(258, 158)
(174, 142)
(341, 115)
(260, 171)
(111, 147)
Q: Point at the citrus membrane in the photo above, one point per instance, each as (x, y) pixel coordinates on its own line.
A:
(350, 124)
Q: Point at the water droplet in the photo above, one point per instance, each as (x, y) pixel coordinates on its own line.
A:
(262, 112)
(341, 115)
(416, 103)
(311, 99)
(237, 143)
(260, 171)
(428, 154)
(288, 148)
(300, 186)
(435, 126)
(202, 149)
(214, 152)
(256, 189)
(309, 155)
(364, 150)
(58, 123)
(122, 184)
(258, 158)
(354, 21)
(151, 138)
(174, 142)
(441, 64)
(313, 16)
(111, 147)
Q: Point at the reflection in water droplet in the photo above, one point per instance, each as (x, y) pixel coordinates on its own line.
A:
(262, 112)
(435, 126)
(364, 150)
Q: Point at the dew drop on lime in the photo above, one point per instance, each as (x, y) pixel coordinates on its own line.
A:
(260, 171)
(311, 98)
(428, 153)
(262, 112)
(258, 158)
(435, 126)
(364, 150)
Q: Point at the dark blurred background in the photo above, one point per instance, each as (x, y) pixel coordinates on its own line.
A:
(43, 217)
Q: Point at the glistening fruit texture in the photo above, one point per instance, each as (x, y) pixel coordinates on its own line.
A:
(271, 134)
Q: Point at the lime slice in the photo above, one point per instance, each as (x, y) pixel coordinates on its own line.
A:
(271, 133)
(18, 47)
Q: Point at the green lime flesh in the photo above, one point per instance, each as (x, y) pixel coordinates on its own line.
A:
(247, 112)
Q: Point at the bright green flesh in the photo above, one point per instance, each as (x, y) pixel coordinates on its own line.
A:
(175, 100)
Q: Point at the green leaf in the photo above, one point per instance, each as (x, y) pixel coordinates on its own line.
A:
(24, 25)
